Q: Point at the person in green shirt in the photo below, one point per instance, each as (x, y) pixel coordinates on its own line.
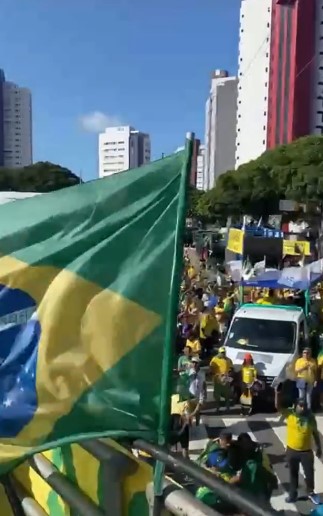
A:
(183, 367)
(184, 360)
(256, 475)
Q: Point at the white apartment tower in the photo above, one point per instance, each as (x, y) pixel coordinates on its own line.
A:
(200, 167)
(16, 115)
(253, 74)
(122, 148)
(220, 127)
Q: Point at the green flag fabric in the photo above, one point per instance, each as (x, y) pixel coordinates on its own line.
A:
(88, 276)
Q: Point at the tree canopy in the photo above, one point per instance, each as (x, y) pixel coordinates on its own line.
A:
(293, 172)
(41, 177)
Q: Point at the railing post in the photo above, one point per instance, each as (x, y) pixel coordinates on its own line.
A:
(70, 494)
(115, 466)
(29, 505)
(178, 501)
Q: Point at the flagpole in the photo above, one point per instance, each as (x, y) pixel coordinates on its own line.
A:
(171, 323)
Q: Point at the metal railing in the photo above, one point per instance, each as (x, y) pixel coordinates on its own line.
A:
(233, 495)
(116, 466)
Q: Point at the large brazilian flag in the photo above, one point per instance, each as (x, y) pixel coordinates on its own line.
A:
(88, 290)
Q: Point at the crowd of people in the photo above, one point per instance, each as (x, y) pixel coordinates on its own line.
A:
(205, 312)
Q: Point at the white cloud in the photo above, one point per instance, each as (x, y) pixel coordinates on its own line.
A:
(96, 121)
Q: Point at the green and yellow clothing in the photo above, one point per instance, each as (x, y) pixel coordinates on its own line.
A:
(310, 374)
(183, 362)
(191, 272)
(266, 300)
(257, 476)
(208, 324)
(194, 345)
(228, 305)
(248, 374)
(320, 363)
(220, 314)
(299, 430)
(182, 408)
(220, 366)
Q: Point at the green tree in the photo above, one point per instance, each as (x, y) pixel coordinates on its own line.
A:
(293, 171)
(41, 177)
(194, 196)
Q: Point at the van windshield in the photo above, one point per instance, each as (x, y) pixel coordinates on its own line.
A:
(262, 335)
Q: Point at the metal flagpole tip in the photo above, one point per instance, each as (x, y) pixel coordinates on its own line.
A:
(190, 136)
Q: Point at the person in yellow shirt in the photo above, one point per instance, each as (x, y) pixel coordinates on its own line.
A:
(320, 369)
(267, 299)
(306, 376)
(190, 310)
(209, 329)
(191, 272)
(221, 367)
(248, 378)
(193, 343)
(301, 431)
(221, 318)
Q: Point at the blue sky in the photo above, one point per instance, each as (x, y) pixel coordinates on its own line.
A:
(142, 62)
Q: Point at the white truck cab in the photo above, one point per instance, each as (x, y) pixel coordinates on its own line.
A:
(274, 335)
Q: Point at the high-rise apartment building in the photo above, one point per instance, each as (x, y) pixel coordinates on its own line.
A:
(280, 93)
(196, 174)
(2, 80)
(200, 167)
(122, 148)
(15, 125)
(220, 127)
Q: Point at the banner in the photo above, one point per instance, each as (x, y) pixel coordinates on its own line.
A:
(235, 241)
(258, 247)
(296, 248)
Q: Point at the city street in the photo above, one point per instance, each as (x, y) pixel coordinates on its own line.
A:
(270, 431)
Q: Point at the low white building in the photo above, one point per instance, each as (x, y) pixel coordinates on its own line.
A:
(6, 197)
(220, 127)
(122, 148)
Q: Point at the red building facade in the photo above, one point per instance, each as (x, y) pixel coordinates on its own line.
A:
(292, 69)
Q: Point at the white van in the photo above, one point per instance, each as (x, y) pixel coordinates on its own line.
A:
(274, 335)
